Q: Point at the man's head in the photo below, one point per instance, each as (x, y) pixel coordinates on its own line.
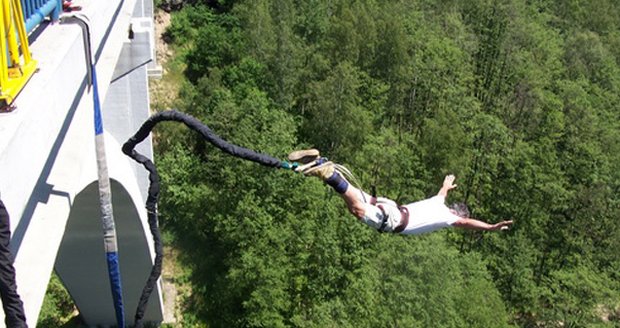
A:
(460, 209)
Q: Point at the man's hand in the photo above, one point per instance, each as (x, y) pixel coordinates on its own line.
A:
(448, 184)
(504, 225)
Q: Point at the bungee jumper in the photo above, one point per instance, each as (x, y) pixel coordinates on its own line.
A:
(380, 213)
(384, 214)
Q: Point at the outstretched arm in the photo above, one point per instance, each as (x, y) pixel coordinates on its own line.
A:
(448, 184)
(474, 224)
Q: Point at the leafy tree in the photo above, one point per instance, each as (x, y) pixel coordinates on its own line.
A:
(519, 99)
(332, 103)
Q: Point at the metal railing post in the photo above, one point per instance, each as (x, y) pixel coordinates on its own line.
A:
(14, 74)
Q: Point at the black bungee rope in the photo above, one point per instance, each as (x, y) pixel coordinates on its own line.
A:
(153, 191)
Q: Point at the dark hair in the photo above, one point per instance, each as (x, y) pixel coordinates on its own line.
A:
(460, 209)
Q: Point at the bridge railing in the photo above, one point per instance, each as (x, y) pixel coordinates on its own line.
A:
(35, 11)
(17, 19)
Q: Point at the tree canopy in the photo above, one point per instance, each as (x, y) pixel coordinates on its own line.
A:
(519, 99)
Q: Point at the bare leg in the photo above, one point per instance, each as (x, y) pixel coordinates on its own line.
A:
(355, 203)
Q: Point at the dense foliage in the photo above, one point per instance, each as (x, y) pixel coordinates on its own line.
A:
(519, 99)
(58, 309)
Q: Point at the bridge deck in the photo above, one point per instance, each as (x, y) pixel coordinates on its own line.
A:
(47, 159)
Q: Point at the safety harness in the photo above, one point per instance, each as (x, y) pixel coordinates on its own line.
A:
(388, 210)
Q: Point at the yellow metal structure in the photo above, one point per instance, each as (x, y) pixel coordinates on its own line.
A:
(14, 73)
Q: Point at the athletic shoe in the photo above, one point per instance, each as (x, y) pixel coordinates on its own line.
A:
(323, 171)
(316, 162)
(304, 156)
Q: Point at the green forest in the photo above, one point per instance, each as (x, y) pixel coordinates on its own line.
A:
(520, 99)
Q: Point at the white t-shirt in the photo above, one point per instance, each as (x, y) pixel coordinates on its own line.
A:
(429, 215)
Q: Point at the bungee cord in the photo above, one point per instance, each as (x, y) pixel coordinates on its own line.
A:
(153, 191)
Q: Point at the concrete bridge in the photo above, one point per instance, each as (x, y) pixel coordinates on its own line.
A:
(48, 171)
